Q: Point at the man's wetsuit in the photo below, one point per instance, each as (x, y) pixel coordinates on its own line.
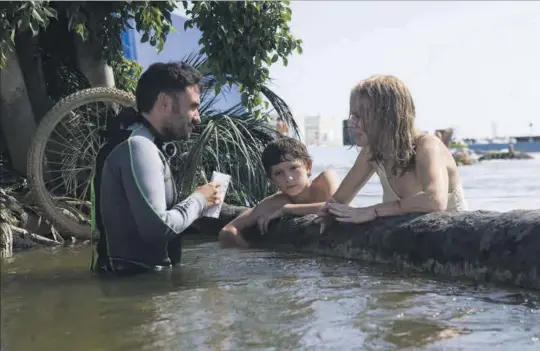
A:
(137, 211)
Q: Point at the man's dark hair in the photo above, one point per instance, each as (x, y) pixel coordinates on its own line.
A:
(161, 77)
(282, 150)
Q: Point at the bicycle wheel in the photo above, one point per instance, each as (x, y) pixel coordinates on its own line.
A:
(62, 156)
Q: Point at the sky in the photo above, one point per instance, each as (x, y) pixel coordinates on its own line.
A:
(472, 66)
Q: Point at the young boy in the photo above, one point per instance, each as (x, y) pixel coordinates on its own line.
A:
(288, 166)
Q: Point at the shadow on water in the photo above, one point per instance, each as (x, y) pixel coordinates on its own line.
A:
(252, 300)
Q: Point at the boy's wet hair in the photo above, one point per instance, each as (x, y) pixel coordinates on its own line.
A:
(284, 149)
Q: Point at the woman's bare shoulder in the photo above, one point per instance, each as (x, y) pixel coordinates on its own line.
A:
(430, 147)
(429, 141)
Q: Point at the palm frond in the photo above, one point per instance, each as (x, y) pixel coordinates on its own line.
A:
(209, 81)
(229, 142)
(282, 109)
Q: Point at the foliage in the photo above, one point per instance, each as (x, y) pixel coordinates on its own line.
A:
(230, 141)
(126, 74)
(17, 17)
(242, 39)
(99, 21)
(103, 22)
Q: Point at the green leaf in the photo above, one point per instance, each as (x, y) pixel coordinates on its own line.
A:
(50, 12)
(144, 37)
(34, 28)
(37, 17)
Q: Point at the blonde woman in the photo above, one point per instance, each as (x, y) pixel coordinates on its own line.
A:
(416, 170)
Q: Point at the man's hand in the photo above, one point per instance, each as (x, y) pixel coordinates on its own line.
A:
(210, 192)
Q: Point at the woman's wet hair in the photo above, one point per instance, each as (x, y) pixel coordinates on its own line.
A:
(389, 121)
(284, 149)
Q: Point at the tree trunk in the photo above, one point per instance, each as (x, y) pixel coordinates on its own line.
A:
(31, 67)
(16, 115)
(91, 64)
(480, 245)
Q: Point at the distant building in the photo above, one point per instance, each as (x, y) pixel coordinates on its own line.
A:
(312, 130)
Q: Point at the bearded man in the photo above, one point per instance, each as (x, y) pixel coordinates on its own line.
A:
(137, 213)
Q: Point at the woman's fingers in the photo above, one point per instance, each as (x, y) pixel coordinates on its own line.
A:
(347, 219)
(340, 212)
(338, 207)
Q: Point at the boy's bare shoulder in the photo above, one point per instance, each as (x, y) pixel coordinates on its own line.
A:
(326, 182)
(272, 202)
(325, 176)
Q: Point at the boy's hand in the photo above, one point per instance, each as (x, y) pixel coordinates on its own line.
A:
(228, 238)
(325, 209)
(264, 220)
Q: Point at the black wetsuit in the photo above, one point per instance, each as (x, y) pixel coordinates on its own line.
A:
(137, 212)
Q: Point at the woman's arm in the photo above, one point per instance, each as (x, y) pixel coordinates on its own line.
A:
(433, 176)
(356, 178)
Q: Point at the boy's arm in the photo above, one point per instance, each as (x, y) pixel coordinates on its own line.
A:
(325, 185)
(231, 234)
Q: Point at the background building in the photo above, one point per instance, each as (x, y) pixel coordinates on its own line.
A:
(320, 131)
(312, 130)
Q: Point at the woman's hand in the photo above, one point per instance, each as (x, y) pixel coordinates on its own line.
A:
(324, 211)
(347, 214)
(264, 220)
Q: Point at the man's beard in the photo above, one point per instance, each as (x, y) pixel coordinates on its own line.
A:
(173, 132)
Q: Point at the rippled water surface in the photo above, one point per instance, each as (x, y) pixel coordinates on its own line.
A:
(256, 300)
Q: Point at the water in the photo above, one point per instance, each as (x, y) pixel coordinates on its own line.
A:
(257, 300)
(498, 185)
